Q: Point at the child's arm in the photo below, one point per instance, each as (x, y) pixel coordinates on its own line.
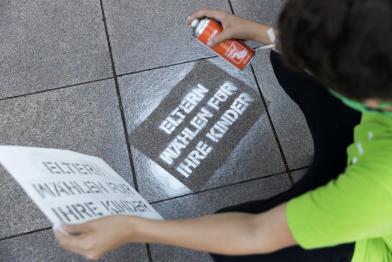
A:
(226, 233)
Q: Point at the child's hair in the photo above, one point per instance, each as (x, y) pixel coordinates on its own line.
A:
(346, 44)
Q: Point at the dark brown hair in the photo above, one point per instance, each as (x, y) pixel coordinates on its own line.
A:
(346, 44)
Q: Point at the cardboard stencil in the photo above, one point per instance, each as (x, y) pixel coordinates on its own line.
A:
(70, 187)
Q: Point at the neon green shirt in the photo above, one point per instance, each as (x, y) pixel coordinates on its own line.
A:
(357, 206)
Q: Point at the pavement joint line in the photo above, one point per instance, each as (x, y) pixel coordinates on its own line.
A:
(304, 168)
(231, 7)
(25, 233)
(299, 168)
(119, 100)
(108, 78)
(166, 66)
(219, 187)
(148, 246)
(131, 162)
(55, 89)
(272, 125)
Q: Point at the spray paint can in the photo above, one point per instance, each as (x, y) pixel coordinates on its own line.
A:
(235, 52)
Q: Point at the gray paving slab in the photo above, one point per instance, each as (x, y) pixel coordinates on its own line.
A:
(298, 175)
(83, 118)
(42, 247)
(290, 123)
(262, 11)
(249, 150)
(48, 44)
(207, 203)
(148, 34)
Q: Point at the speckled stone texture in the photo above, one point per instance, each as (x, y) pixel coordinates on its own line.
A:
(298, 175)
(290, 123)
(209, 202)
(42, 247)
(255, 155)
(85, 119)
(262, 11)
(49, 44)
(156, 32)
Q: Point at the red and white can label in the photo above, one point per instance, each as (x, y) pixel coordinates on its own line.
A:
(234, 51)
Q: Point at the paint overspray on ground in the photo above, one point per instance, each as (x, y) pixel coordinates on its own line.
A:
(198, 124)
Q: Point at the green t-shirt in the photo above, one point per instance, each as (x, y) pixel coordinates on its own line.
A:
(357, 206)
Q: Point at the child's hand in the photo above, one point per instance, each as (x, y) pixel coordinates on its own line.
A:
(234, 27)
(97, 237)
